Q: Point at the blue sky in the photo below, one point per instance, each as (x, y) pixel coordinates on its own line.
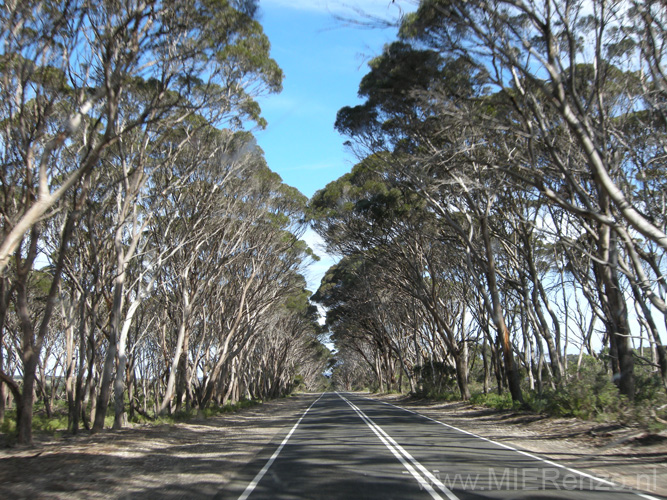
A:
(323, 60)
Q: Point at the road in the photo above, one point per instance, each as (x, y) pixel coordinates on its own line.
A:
(353, 447)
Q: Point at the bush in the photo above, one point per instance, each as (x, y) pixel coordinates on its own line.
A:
(8, 426)
(495, 400)
(591, 397)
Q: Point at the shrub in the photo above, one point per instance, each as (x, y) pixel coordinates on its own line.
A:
(495, 400)
(590, 395)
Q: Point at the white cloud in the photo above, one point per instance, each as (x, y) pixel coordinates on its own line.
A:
(314, 241)
(317, 270)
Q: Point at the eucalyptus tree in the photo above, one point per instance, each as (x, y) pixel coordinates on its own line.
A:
(420, 107)
(530, 270)
(285, 334)
(547, 97)
(209, 231)
(65, 104)
(350, 372)
(262, 274)
(541, 48)
(412, 254)
(583, 81)
(349, 298)
(64, 90)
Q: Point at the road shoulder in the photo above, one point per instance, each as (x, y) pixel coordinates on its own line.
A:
(186, 460)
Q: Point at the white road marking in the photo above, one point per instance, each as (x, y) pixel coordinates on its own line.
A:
(253, 484)
(525, 453)
(425, 479)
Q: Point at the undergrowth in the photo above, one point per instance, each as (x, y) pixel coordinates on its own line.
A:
(56, 424)
(588, 393)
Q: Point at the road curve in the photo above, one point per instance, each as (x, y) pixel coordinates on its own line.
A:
(352, 447)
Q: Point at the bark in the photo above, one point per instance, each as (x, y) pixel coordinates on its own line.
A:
(110, 358)
(69, 363)
(75, 410)
(461, 361)
(4, 303)
(120, 418)
(485, 361)
(659, 350)
(32, 340)
(539, 296)
(180, 340)
(498, 319)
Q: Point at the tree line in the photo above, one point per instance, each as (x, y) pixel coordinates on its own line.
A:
(507, 215)
(150, 260)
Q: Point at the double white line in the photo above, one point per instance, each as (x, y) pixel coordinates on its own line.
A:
(419, 472)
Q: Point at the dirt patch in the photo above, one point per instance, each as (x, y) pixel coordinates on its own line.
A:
(190, 460)
(624, 455)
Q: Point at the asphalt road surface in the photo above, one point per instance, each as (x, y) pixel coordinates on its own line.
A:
(351, 447)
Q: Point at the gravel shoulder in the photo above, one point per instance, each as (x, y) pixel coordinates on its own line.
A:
(624, 455)
(197, 459)
(187, 460)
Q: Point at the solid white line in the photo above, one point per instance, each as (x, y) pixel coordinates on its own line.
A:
(253, 484)
(422, 482)
(401, 452)
(527, 454)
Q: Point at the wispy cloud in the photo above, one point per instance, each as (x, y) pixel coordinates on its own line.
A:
(383, 8)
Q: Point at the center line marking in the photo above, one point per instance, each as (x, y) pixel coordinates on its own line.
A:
(425, 479)
(527, 454)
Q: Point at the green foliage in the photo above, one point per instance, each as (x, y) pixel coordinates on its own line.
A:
(590, 394)
(41, 423)
(649, 408)
(209, 412)
(233, 407)
(593, 395)
(50, 425)
(495, 400)
(8, 427)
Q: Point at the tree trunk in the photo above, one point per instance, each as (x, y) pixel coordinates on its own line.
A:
(461, 361)
(659, 351)
(114, 333)
(180, 340)
(102, 400)
(4, 304)
(498, 319)
(616, 321)
(32, 341)
(85, 352)
(120, 417)
(485, 361)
